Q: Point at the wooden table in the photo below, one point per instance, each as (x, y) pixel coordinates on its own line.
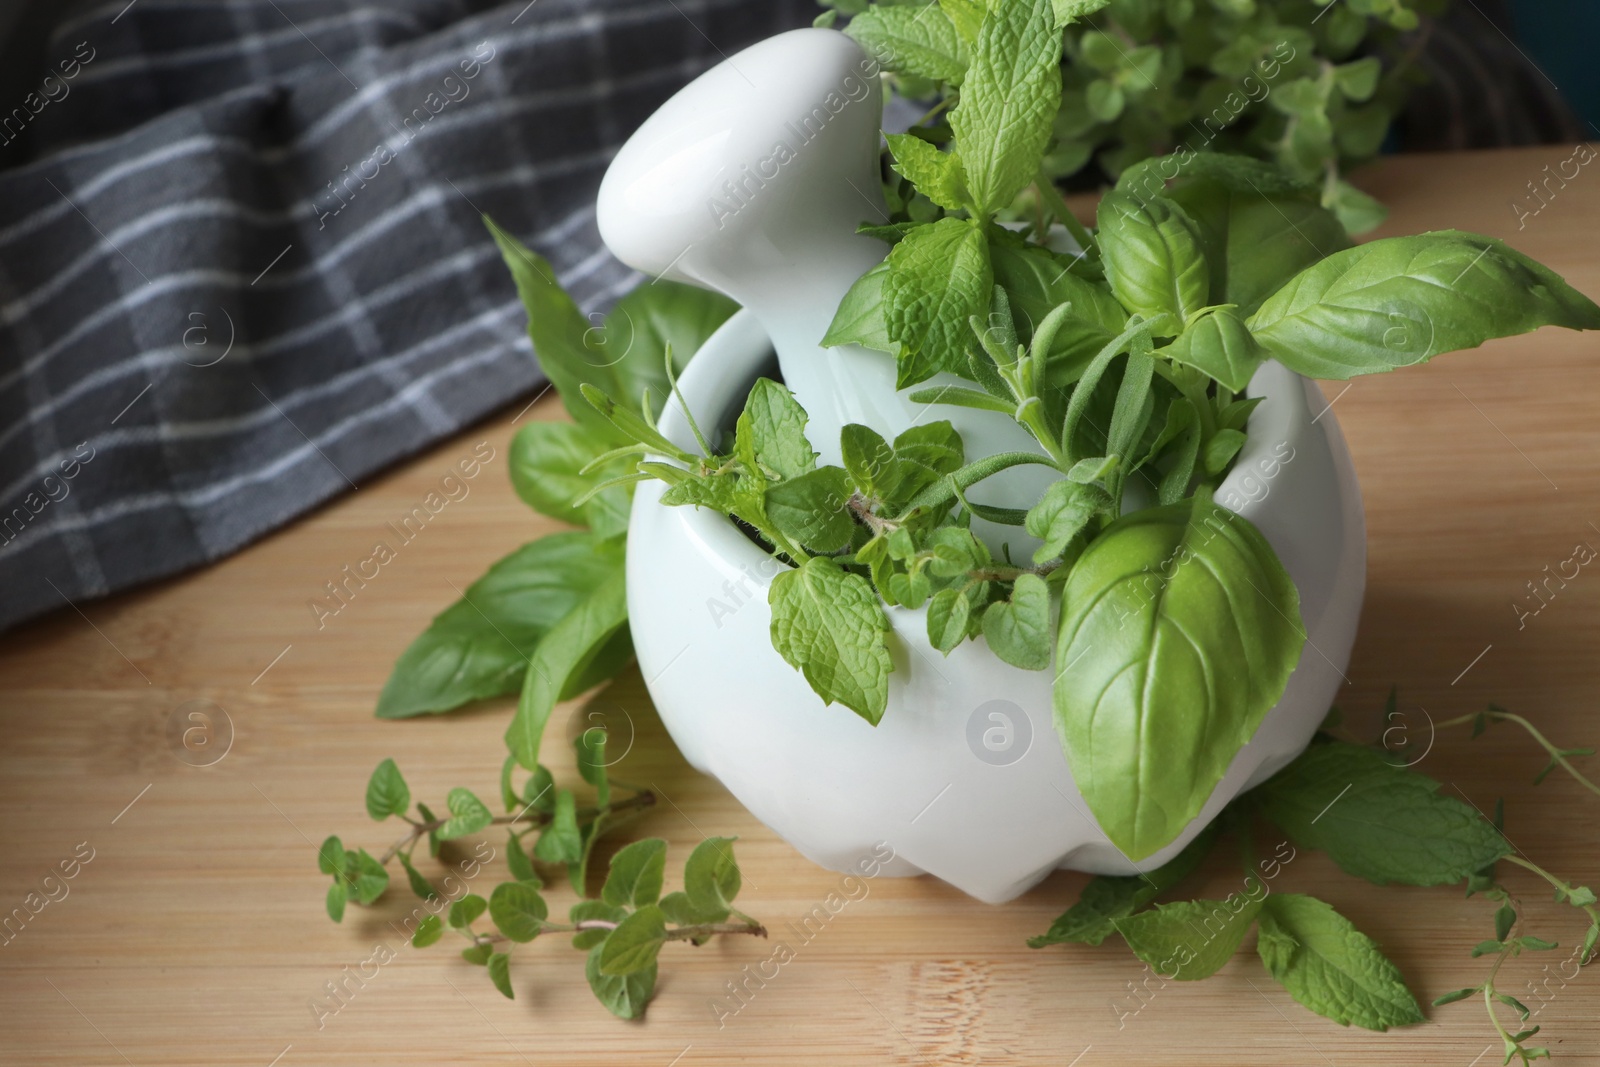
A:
(196, 933)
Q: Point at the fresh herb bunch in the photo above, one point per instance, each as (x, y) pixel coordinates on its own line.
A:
(1378, 820)
(1311, 85)
(622, 929)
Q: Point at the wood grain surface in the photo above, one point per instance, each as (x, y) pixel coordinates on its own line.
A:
(196, 933)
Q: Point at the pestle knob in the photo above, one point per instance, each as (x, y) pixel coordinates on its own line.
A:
(751, 181)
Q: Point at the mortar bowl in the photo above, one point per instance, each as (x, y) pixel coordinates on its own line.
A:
(964, 778)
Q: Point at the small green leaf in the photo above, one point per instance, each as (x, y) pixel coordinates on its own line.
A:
(1505, 917)
(337, 895)
(518, 862)
(623, 995)
(771, 432)
(711, 878)
(1221, 346)
(813, 509)
(428, 932)
(949, 613)
(517, 910)
(330, 856)
(419, 885)
(464, 912)
(589, 910)
(937, 175)
(433, 835)
(371, 879)
(1062, 514)
(829, 624)
(1019, 630)
(860, 317)
(635, 943)
(921, 41)
(1358, 80)
(387, 793)
(939, 277)
(478, 954)
(1190, 939)
(468, 815)
(561, 841)
(539, 791)
(637, 873)
(590, 747)
(1536, 944)
(500, 973)
(1330, 967)
(1459, 994)
(1107, 898)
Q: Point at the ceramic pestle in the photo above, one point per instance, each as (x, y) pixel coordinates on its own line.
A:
(751, 181)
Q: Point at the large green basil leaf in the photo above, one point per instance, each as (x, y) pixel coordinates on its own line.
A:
(546, 458)
(1179, 628)
(1256, 239)
(1220, 345)
(480, 645)
(1403, 300)
(581, 636)
(1153, 258)
(624, 357)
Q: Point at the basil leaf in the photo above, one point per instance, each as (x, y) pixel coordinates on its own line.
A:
(1153, 258)
(860, 318)
(937, 175)
(1008, 101)
(1179, 629)
(1219, 345)
(480, 645)
(939, 277)
(637, 872)
(1110, 897)
(1189, 939)
(1329, 966)
(628, 355)
(1018, 630)
(1377, 821)
(546, 458)
(916, 40)
(623, 995)
(574, 641)
(635, 943)
(771, 432)
(387, 792)
(812, 509)
(829, 625)
(1401, 300)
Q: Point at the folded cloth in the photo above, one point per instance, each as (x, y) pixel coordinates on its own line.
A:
(244, 266)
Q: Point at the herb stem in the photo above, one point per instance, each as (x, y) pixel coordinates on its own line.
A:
(1565, 888)
(535, 819)
(1557, 755)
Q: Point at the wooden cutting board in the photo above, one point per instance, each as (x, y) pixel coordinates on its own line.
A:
(196, 933)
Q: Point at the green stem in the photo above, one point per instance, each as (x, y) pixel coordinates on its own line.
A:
(535, 819)
(1051, 197)
(1556, 755)
(1564, 887)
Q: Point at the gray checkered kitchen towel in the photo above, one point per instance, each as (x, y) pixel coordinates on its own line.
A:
(241, 260)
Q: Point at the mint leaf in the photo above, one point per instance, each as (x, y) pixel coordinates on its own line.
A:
(921, 41)
(1178, 633)
(547, 459)
(567, 649)
(1399, 301)
(813, 509)
(387, 793)
(468, 814)
(500, 973)
(771, 432)
(1107, 898)
(637, 872)
(965, 15)
(428, 931)
(939, 277)
(937, 175)
(1072, 10)
(829, 625)
(635, 943)
(1221, 346)
(561, 841)
(1008, 101)
(711, 879)
(479, 646)
(623, 995)
(1061, 514)
(892, 475)
(1154, 260)
(517, 910)
(1018, 630)
(1189, 939)
(1330, 967)
(1377, 821)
